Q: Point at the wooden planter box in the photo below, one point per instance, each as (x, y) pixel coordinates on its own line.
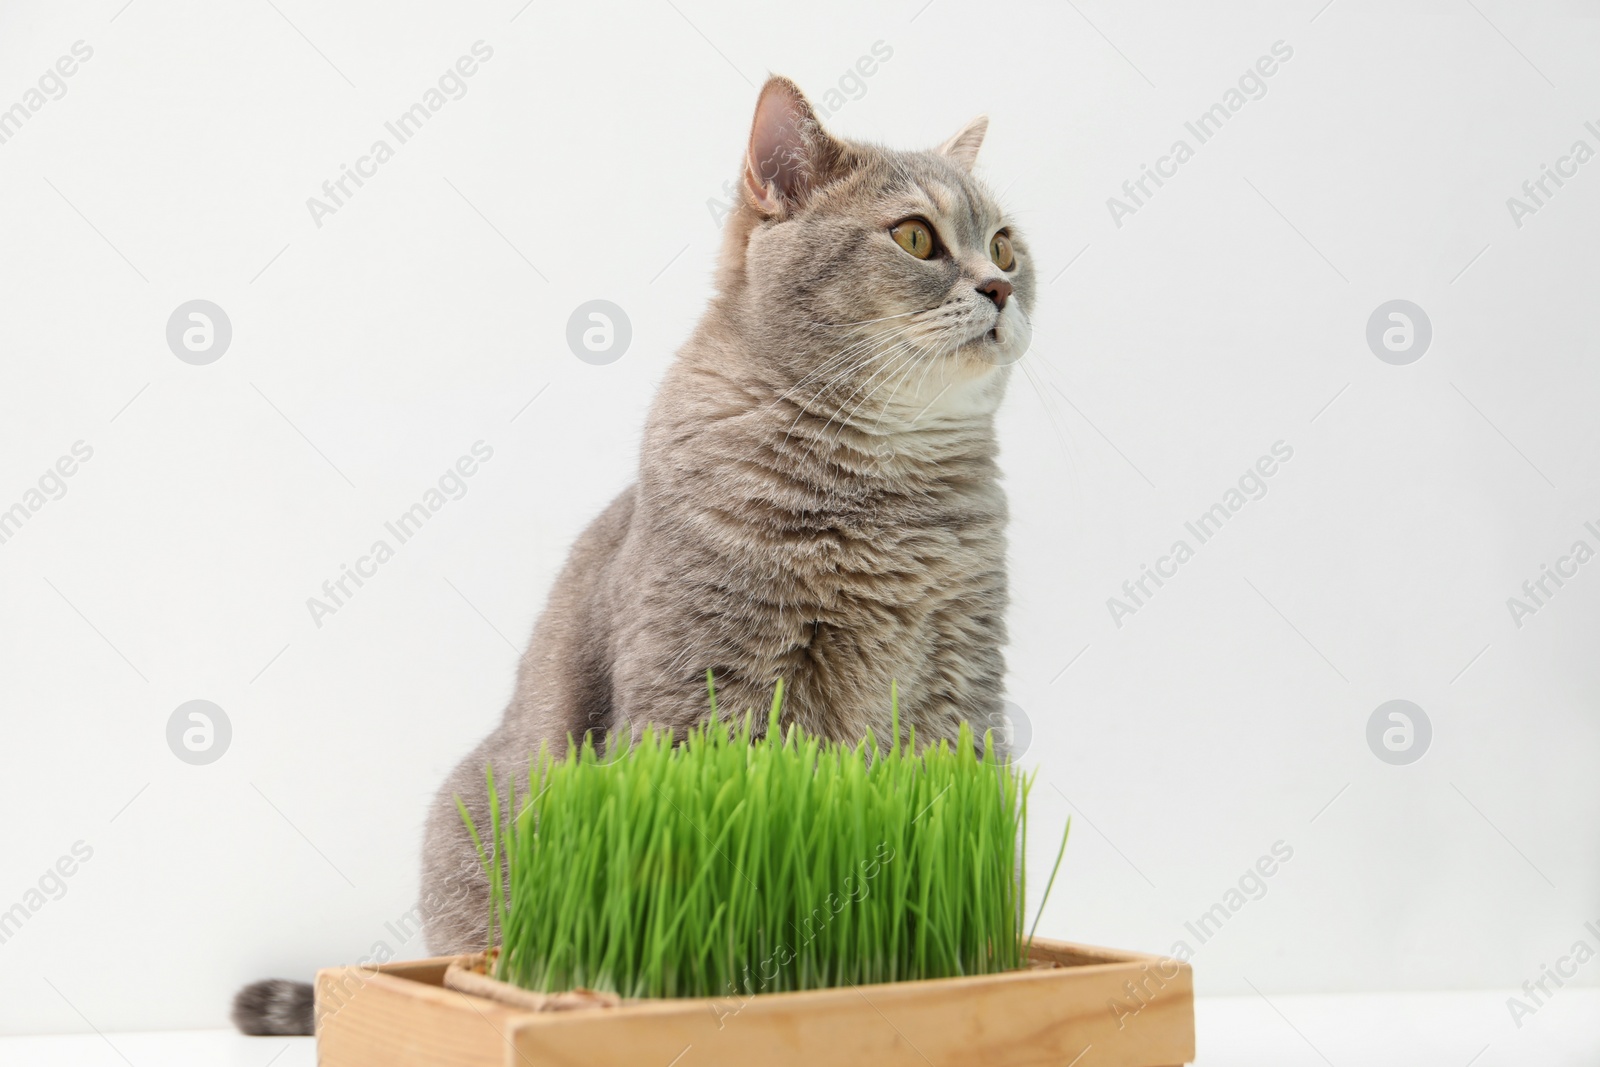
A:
(1096, 1008)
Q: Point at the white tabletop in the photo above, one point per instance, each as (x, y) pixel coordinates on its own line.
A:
(1354, 1030)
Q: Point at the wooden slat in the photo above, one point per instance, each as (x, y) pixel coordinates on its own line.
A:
(1016, 1020)
(402, 1017)
(385, 1020)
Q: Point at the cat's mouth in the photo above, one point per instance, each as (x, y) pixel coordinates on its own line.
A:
(1001, 344)
(993, 343)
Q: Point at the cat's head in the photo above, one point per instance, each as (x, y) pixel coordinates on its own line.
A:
(888, 278)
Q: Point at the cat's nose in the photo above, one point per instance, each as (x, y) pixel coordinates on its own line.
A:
(996, 289)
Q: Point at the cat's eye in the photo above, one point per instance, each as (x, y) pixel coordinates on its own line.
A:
(915, 236)
(1001, 252)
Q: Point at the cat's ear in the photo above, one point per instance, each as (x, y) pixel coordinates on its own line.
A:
(962, 149)
(789, 154)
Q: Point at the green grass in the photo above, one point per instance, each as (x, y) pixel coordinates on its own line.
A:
(728, 864)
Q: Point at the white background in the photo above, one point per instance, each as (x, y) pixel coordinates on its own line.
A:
(369, 353)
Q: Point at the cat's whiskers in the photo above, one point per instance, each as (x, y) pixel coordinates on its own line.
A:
(934, 359)
(898, 372)
(939, 359)
(1050, 411)
(936, 398)
(842, 356)
(862, 322)
(929, 322)
(890, 343)
(907, 362)
(1040, 373)
(894, 388)
(836, 360)
(939, 362)
(894, 358)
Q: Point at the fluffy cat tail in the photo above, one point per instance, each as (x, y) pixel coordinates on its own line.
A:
(274, 1006)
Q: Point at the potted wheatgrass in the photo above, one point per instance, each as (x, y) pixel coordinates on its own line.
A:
(743, 897)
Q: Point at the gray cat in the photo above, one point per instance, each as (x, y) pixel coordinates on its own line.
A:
(817, 500)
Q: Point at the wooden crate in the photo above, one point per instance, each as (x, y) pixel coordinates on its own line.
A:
(1098, 1008)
